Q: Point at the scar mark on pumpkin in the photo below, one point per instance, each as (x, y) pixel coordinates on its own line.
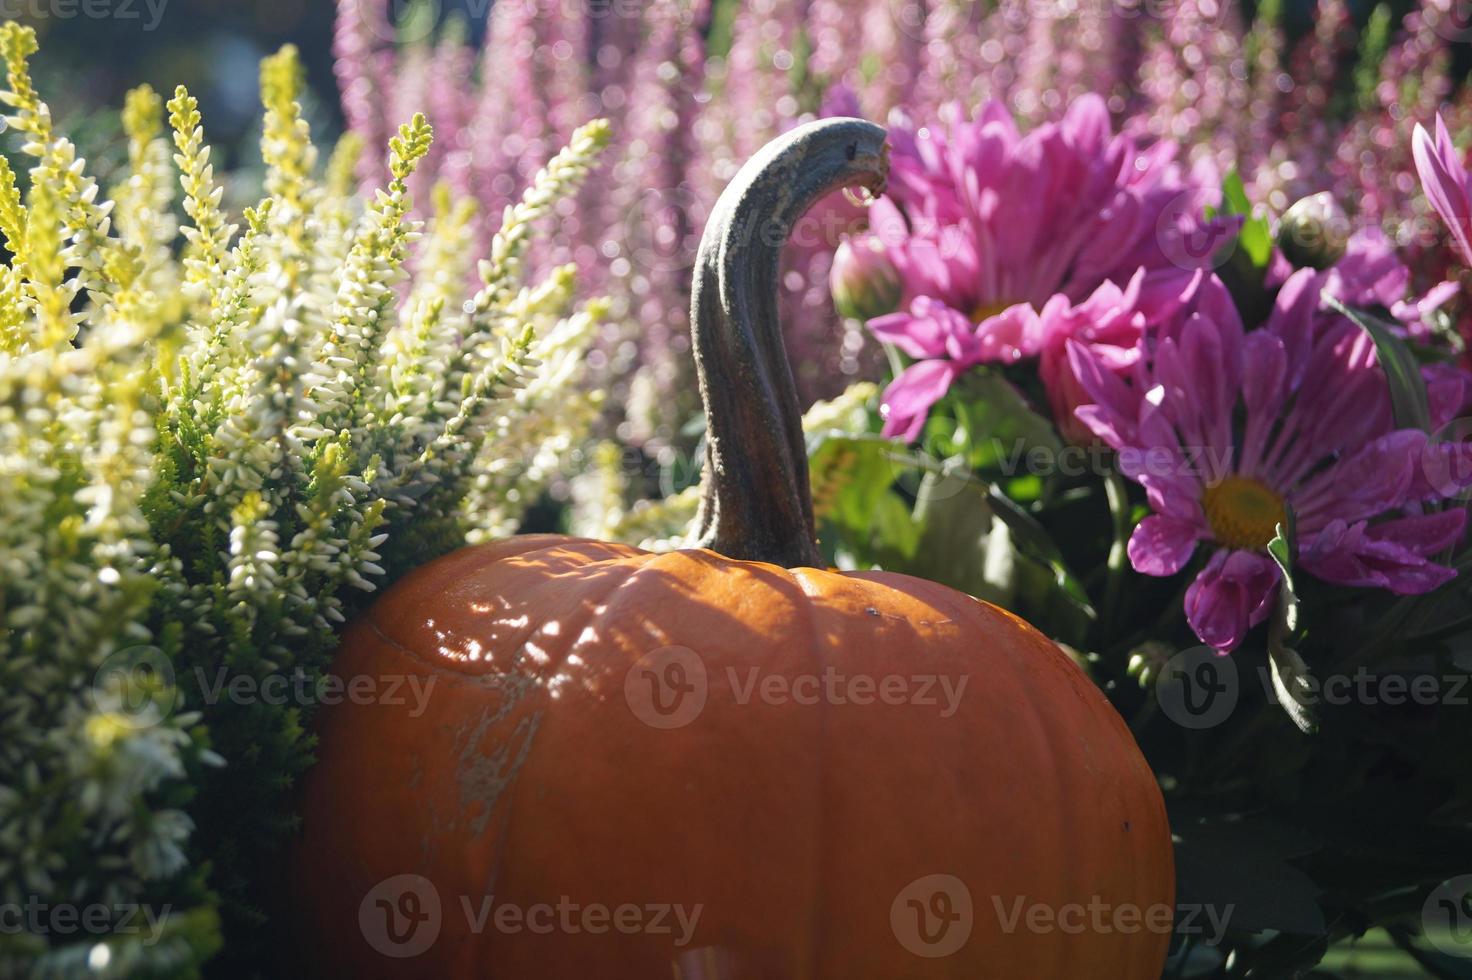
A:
(902, 618)
(483, 777)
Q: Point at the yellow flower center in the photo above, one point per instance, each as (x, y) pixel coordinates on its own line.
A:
(1242, 512)
(982, 312)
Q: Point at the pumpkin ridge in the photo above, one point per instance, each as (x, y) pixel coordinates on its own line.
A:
(823, 855)
(1055, 819)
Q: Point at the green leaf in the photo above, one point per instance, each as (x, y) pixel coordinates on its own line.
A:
(1033, 540)
(1402, 370)
(1256, 235)
(1293, 685)
(956, 541)
(998, 428)
(1281, 548)
(1292, 680)
(850, 474)
(853, 481)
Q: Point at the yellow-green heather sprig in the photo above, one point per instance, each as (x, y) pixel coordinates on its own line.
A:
(425, 338)
(86, 223)
(365, 292)
(342, 166)
(145, 200)
(531, 444)
(207, 235)
(565, 171)
(15, 301)
(43, 258)
(599, 494)
(12, 212)
(288, 152)
(205, 479)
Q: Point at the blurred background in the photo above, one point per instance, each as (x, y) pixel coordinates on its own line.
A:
(95, 50)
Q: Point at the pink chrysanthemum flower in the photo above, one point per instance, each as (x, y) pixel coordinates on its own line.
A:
(1446, 182)
(1316, 435)
(1111, 323)
(986, 224)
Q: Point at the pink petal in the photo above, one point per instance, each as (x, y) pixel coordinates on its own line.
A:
(1443, 181)
(1357, 556)
(1292, 319)
(1374, 479)
(921, 332)
(1086, 123)
(1011, 335)
(909, 397)
(1234, 592)
(1448, 390)
(1424, 534)
(1161, 546)
(1112, 417)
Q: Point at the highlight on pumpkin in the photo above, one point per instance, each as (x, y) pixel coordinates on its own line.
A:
(735, 488)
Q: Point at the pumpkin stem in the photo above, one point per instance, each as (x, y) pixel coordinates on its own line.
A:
(755, 503)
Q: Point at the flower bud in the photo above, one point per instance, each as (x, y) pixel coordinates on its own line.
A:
(1314, 232)
(864, 282)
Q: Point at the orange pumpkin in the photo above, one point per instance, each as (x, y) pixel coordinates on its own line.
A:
(724, 761)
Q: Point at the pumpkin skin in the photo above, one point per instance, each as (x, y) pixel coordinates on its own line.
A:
(533, 777)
